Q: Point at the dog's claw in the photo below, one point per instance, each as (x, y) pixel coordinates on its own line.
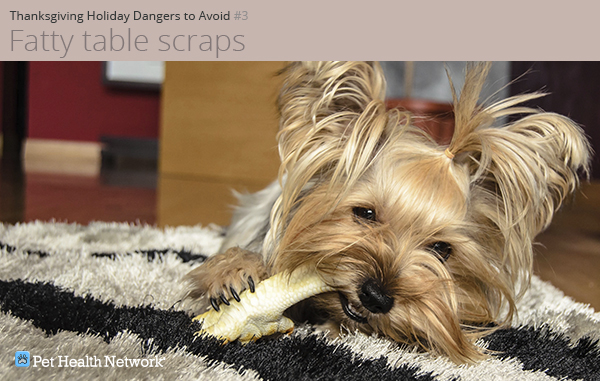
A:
(251, 285)
(224, 300)
(214, 304)
(234, 294)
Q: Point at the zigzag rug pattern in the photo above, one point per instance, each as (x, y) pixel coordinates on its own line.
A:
(104, 302)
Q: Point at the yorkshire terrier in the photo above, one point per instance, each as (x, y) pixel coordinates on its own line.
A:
(423, 243)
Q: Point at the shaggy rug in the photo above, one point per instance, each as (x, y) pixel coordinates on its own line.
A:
(104, 302)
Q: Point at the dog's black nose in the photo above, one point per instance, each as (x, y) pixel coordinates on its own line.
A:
(374, 298)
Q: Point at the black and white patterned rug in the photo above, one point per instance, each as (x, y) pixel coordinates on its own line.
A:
(104, 302)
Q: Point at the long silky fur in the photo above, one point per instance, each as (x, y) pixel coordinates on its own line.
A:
(488, 193)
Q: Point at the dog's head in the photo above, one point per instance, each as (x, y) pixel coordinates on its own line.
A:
(424, 243)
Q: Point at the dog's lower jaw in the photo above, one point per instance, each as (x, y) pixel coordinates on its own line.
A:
(416, 325)
(442, 334)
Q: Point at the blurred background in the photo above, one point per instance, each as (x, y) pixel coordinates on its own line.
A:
(164, 143)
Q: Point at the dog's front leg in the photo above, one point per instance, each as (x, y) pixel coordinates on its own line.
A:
(222, 278)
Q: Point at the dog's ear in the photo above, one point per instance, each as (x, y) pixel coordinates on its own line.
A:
(319, 104)
(520, 172)
(315, 90)
(332, 119)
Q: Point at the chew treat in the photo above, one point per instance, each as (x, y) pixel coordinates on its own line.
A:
(260, 313)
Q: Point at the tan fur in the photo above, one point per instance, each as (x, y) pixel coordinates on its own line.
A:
(222, 272)
(487, 194)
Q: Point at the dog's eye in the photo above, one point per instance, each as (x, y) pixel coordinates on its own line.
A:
(367, 214)
(442, 249)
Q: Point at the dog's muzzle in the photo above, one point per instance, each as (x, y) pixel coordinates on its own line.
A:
(374, 298)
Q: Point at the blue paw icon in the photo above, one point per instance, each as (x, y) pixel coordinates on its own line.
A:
(22, 359)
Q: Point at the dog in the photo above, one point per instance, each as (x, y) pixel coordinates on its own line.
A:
(424, 244)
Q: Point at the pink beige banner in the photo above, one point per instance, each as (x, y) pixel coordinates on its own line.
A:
(307, 29)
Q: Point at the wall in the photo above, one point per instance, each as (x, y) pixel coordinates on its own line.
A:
(573, 89)
(430, 80)
(1, 92)
(219, 122)
(67, 101)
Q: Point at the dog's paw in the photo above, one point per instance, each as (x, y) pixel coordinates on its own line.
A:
(224, 276)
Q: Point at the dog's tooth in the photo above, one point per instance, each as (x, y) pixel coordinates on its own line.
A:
(260, 313)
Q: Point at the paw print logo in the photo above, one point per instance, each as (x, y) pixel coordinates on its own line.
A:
(22, 359)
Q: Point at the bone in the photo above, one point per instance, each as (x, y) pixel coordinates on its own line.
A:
(260, 313)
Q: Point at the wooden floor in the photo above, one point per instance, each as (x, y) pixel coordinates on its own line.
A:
(84, 199)
(568, 254)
